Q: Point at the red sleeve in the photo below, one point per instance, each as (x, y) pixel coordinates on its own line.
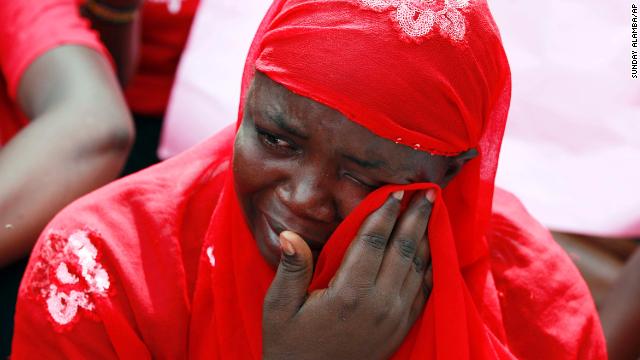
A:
(113, 274)
(547, 309)
(32, 27)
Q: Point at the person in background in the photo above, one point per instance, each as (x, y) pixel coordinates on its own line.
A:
(620, 313)
(64, 127)
(579, 143)
(146, 40)
(204, 98)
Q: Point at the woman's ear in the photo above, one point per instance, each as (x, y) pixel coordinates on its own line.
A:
(456, 163)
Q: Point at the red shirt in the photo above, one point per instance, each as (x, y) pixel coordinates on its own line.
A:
(165, 29)
(28, 30)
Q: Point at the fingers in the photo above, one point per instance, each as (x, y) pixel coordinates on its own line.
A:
(364, 256)
(412, 283)
(421, 296)
(288, 290)
(403, 255)
(428, 280)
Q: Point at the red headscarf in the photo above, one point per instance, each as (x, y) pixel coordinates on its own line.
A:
(431, 75)
(444, 92)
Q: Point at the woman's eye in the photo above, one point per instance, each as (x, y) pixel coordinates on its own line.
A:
(273, 141)
(361, 183)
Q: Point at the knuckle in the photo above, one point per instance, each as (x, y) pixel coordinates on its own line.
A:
(426, 290)
(406, 247)
(383, 311)
(384, 303)
(380, 317)
(419, 264)
(374, 240)
(391, 206)
(388, 213)
(347, 301)
(380, 308)
(425, 207)
(385, 308)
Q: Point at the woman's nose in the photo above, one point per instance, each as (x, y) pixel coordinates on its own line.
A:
(309, 195)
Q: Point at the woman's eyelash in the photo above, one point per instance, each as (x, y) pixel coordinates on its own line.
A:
(362, 183)
(272, 140)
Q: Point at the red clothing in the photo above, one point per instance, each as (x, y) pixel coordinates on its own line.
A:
(158, 266)
(162, 264)
(165, 29)
(29, 29)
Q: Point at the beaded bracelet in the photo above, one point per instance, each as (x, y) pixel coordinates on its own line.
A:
(107, 13)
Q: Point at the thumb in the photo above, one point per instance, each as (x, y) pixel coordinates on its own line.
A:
(288, 290)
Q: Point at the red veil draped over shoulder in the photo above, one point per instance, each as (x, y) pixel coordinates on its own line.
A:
(162, 264)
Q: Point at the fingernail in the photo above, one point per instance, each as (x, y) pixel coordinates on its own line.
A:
(398, 195)
(285, 243)
(431, 195)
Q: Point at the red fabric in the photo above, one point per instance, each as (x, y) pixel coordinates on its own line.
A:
(187, 277)
(153, 249)
(165, 29)
(529, 268)
(29, 29)
(442, 95)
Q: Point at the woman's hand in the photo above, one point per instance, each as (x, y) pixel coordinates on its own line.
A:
(373, 299)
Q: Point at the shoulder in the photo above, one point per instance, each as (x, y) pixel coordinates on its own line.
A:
(546, 305)
(122, 260)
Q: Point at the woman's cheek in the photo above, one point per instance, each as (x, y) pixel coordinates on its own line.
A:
(244, 165)
(251, 168)
(348, 196)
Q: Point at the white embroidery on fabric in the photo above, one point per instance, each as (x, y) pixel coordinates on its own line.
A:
(63, 274)
(416, 18)
(68, 276)
(63, 307)
(173, 6)
(212, 259)
(93, 273)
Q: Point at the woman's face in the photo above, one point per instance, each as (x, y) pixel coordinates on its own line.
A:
(302, 166)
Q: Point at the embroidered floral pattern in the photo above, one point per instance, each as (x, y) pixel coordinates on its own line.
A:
(416, 18)
(67, 276)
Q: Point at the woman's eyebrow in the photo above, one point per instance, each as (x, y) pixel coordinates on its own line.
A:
(376, 164)
(282, 123)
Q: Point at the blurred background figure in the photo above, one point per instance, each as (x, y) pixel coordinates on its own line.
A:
(574, 116)
(64, 127)
(571, 149)
(146, 39)
(205, 95)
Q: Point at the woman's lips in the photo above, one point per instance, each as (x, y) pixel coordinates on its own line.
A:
(277, 227)
(273, 243)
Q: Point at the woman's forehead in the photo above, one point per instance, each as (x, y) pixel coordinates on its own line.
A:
(328, 126)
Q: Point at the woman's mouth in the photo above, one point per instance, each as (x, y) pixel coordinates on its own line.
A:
(275, 227)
